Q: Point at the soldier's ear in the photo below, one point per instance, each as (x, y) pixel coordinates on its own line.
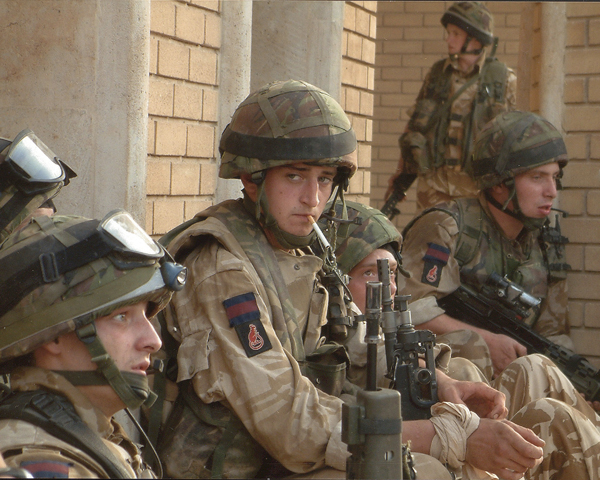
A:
(250, 187)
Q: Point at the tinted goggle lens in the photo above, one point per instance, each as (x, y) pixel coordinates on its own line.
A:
(130, 237)
(31, 160)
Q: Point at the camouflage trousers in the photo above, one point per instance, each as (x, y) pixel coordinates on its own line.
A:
(470, 345)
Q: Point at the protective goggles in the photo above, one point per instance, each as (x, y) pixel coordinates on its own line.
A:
(117, 237)
(32, 165)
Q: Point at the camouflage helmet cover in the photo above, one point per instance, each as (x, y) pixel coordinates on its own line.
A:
(354, 242)
(284, 123)
(513, 143)
(79, 296)
(474, 18)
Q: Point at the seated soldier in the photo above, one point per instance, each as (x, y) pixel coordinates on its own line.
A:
(526, 383)
(31, 175)
(76, 342)
(518, 161)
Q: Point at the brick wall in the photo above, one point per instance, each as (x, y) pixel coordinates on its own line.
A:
(183, 108)
(358, 77)
(581, 198)
(410, 38)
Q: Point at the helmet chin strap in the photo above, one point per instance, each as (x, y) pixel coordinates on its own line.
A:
(463, 50)
(529, 223)
(132, 388)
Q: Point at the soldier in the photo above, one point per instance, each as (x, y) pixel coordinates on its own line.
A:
(31, 175)
(76, 342)
(518, 161)
(459, 96)
(251, 313)
(527, 384)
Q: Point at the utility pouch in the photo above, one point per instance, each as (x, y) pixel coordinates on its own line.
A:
(326, 368)
(413, 148)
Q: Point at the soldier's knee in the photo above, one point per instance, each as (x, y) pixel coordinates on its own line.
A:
(429, 468)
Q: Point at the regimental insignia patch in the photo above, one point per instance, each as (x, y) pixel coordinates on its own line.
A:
(47, 469)
(435, 260)
(244, 316)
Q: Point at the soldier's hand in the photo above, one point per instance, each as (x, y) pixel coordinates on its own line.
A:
(480, 398)
(503, 448)
(503, 350)
(392, 178)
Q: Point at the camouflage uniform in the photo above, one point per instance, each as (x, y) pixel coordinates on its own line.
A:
(449, 140)
(522, 260)
(27, 446)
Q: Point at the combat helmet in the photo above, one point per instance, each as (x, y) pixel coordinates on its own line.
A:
(513, 143)
(284, 123)
(363, 231)
(30, 176)
(474, 18)
(59, 274)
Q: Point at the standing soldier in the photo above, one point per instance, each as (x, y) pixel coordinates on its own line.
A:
(76, 342)
(459, 96)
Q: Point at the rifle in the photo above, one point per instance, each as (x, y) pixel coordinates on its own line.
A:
(501, 307)
(401, 184)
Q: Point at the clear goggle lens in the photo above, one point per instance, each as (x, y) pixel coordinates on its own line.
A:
(122, 228)
(32, 160)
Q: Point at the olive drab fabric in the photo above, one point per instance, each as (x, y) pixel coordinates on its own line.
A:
(473, 17)
(24, 445)
(243, 344)
(432, 253)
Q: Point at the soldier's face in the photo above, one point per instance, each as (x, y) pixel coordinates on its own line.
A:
(536, 190)
(366, 271)
(455, 39)
(297, 191)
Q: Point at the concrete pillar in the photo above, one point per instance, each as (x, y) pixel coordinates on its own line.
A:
(300, 40)
(552, 67)
(234, 75)
(76, 73)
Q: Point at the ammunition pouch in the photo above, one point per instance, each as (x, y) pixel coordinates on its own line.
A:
(326, 368)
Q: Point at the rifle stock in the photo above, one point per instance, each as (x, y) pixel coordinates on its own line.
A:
(485, 311)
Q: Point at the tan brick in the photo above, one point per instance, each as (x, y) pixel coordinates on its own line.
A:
(575, 33)
(210, 105)
(583, 118)
(192, 207)
(168, 213)
(207, 4)
(370, 6)
(423, 33)
(574, 90)
(586, 341)
(345, 35)
(425, 7)
(170, 138)
(363, 154)
(153, 57)
(363, 22)
(189, 24)
(513, 20)
(349, 17)
(356, 183)
(576, 312)
(389, 35)
(592, 258)
(368, 51)
(403, 20)
(423, 61)
(149, 216)
(158, 177)
(581, 230)
(354, 46)
(592, 317)
(352, 100)
(414, 47)
(593, 89)
(151, 136)
(432, 20)
(372, 27)
(208, 178)
(576, 146)
(366, 104)
(574, 255)
(213, 30)
(201, 141)
(593, 202)
(185, 178)
(582, 174)
(188, 101)
(370, 78)
(583, 9)
(173, 59)
(572, 201)
(594, 147)
(583, 61)
(162, 17)
(203, 65)
(435, 47)
(160, 97)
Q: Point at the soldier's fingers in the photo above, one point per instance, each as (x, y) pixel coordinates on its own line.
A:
(529, 435)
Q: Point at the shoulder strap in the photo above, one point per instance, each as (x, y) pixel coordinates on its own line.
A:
(494, 77)
(56, 415)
